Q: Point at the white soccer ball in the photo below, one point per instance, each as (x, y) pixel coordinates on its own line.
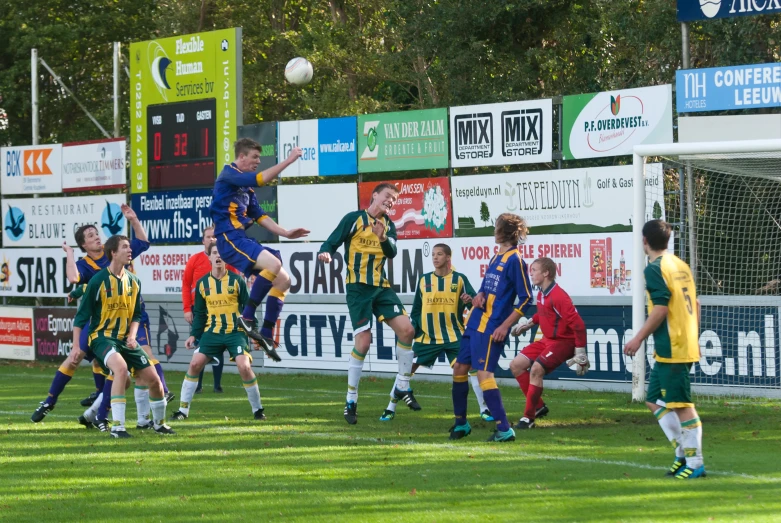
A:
(298, 71)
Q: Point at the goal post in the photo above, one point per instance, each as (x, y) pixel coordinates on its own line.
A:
(732, 226)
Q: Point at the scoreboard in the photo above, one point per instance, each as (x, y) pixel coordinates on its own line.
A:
(185, 109)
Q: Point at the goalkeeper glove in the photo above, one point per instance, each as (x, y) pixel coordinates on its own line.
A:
(517, 330)
(580, 361)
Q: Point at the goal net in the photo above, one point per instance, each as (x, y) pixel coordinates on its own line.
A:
(728, 228)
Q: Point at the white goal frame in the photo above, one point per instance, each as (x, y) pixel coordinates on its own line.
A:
(641, 152)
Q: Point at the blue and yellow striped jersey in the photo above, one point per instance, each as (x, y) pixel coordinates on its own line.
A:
(438, 312)
(218, 304)
(506, 279)
(364, 254)
(669, 283)
(234, 204)
(110, 304)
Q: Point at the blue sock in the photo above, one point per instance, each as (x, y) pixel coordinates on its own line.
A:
(159, 369)
(105, 403)
(460, 395)
(493, 399)
(259, 290)
(217, 371)
(200, 379)
(274, 304)
(61, 378)
(100, 380)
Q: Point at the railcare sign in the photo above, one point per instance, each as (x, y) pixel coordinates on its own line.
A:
(612, 123)
(185, 107)
(690, 10)
(403, 141)
(728, 88)
(501, 134)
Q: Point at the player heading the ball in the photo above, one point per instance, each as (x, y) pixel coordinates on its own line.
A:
(234, 209)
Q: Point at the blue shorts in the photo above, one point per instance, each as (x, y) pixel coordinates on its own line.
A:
(479, 350)
(240, 251)
(143, 337)
(84, 343)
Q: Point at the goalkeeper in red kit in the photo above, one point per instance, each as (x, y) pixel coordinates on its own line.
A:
(564, 340)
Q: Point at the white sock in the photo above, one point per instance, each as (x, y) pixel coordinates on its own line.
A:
(118, 413)
(393, 400)
(158, 411)
(354, 375)
(691, 441)
(92, 411)
(142, 404)
(478, 392)
(404, 355)
(671, 426)
(253, 394)
(189, 385)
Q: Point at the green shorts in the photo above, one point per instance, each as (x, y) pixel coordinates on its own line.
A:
(670, 383)
(364, 300)
(135, 359)
(427, 354)
(213, 345)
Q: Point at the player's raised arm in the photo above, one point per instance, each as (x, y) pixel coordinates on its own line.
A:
(139, 232)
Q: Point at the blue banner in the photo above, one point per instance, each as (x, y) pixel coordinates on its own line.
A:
(690, 10)
(726, 88)
(336, 143)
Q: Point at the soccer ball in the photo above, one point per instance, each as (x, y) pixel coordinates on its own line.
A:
(298, 71)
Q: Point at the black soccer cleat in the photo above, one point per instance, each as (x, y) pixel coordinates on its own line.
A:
(119, 433)
(41, 412)
(164, 429)
(178, 416)
(218, 390)
(103, 425)
(460, 431)
(145, 426)
(259, 416)
(542, 412)
(351, 412)
(524, 423)
(675, 468)
(89, 400)
(269, 346)
(408, 398)
(169, 397)
(87, 423)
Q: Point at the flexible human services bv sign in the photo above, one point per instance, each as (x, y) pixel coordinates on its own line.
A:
(612, 123)
(727, 88)
(328, 146)
(691, 10)
(403, 141)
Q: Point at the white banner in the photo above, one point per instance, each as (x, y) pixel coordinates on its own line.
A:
(588, 264)
(31, 169)
(597, 199)
(33, 273)
(16, 333)
(48, 222)
(98, 164)
(301, 134)
(324, 205)
(161, 268)
(501, 134)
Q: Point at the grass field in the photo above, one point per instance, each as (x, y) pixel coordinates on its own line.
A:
(597, 457)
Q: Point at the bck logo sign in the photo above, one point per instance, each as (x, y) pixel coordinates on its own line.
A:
(474, 136)
(522, 132)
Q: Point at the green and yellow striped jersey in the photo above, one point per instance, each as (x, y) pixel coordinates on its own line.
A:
(110, 305)
(669, 283)
(364, 254)
(438, 312)
(218, 304)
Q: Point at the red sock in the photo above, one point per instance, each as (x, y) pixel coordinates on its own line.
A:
(532, 400)
(523, 381)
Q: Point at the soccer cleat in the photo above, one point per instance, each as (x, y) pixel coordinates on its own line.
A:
(41, 412)
(677, 465)
(524, 423)
(460, 431)
(84, 421)
(119, 433)
(164, 429)
(542, 412)
(144, 426)
(501, 437)
(259, 416)
(89, 400)
(169, 397)
(218, 390)
(199, 390)
(388, 415)
(486, 415)
(103, 425)
(408, 398)
(178, 416)
(688, 473)
(351, 412)
(267, 345)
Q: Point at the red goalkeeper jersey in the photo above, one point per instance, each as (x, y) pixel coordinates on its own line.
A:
(557, 316)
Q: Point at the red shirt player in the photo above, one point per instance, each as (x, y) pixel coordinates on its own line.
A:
(564, 339)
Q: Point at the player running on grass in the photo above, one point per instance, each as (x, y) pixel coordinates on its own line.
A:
(220, 297)
(369, 238)
(437, 315)
(235, 208)
(489, 322)
(565, 338)
(674, 321)
(112, 308)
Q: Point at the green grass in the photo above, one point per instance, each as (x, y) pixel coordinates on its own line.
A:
(596, 458)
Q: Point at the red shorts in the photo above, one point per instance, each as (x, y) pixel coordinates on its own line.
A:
(550, 353)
